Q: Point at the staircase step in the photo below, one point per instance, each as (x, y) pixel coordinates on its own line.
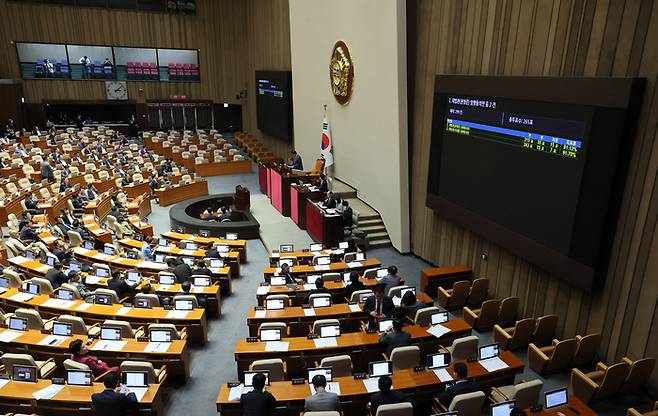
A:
(384, 242)
(377, 235)
(365, 217)
(372, 229)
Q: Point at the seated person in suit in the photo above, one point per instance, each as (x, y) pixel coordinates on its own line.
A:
(323, 185)
(212, 252)
(80, 354)
(225, 216)
(147, 248)
(74, 280)
(319, 288)
(330, 202)
(28, 233)
(395, 337)
(64, 185)
(391, 279)
(354, 285)
(111, 402)
(201, 268)
(118, 284)
(347, 214)
(182, 271)
(31, 203)
(55, 276)
(410, 304)
(63, 253)
(378, 307)
(295, 161)
(385, 395)
(322, 400)
(186, 288)
(461, 386)
(258, 402)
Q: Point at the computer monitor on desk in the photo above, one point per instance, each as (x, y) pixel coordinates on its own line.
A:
(556, 398)
(502, 409)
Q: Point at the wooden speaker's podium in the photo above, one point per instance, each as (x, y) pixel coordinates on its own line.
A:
(278, 181)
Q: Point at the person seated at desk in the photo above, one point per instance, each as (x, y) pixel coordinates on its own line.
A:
(182, 271)
(55, 155)
(212, 252)
(322, 400)
(410, 304)
(80, 354)
(331, 201)
(378, 307)
(258, 402)
(26, 218)
(154, 183)
(63, 253)
(148, 289)
(90, 192)
(28, 233)
(64, 184)
(76, 282)
(461, 386)
(118, 283)
(285, 272)
(201, 268)
(147, 248)
(319, 288)
(225, 216)
(111, 401)
(394, 337)
(76, 159)
(20, 150)
(385, 395)
(391, 279)
(55, 276)
(295, 161)
(67, 217)
(323, 186)
(78, 201)
(52, 139)
(347, 215)
(77, 227)
(32, 204)
(354, 285)
(186, 288)
(126, 228)
(62, 226)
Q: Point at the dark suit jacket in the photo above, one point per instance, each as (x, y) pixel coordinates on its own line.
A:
(183, 272)
(119, 286)
(213, 254)
(297, 163)
(330, 203)
(392, 397)
(387, 308)
(347, 217)
(314, 291)
(461, 387)
(391, 340)
(353, 287)
(257, 403)
(110, 403)
(204, 271)
(28, 234)
(56, 278)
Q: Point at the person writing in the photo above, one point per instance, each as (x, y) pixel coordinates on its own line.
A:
(258, 402)
(378, 307)
(330, 202)
(111, 401)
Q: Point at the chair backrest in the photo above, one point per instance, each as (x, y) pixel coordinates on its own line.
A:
(614, 378)
(322, 413)
(151, 297)
(522, 333)
(357, 293)
(395, 409)
(284, 298)
(70, 364)
(46, 288)
(349, 257)
(465, 347)
(34, 320)
(142, 366)
(331, 277)
(467, 404)
(175, 335)
(586, 351)
(190, 298)
(424, 315)
(108, 292)
(370, 273)
(526, 394)
(459, 294)
(394, 292)
(126, 329)
(75, 239)
(341, 365)
(405, 357)
(13, 276)
(282, 326)
(273, 365)
(77, 324)
(89, 178)
(638, 374)
(323, 322)
(545, 330)
(479, 291)
(508, 310)
(317, 296)
(9, 360)
(488, 313)
(562, 354)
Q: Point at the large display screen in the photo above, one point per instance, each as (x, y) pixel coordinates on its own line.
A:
(534, 175)
(274, 103)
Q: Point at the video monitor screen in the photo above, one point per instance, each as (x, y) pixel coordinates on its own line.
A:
(274, 103)
(531, 163)
(43, 61)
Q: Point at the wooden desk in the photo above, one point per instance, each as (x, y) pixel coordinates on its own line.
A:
(176, 358)
(12, 204)
(134, 190)
(178, 193)
(195, 320)
(230, 167)
(101, 206)
(338, 267)
(141, 226)
(361, 346)
(95, 229)
(140, 206)
(210, 293)
(432, 278)
(54, 206)
(298, 196)
(323, 228)
(306, 256)
(575, 402)
(239, 245)
(353, 394)
(17, 396)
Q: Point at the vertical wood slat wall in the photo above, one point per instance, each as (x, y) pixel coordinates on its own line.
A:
(551, 38)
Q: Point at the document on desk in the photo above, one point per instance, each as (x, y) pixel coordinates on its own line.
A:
(396, 301)
(150, 265)
(308, 287)
(275, 255)
(3, 290)
(177, 314)
(262, 290)
(43, 269)
(19, 259)
(235, 393)
(92, 280)
(106, 345)
(322, 267)
(438, 330)
(261, 314)
(157, 347)
(372, 384)
(81, 250)
(354, 264)
(325, 342)
(83, 306)
(443, 375)
(48, 392)
(277, 270)
(102, 256)
(53, 340)
(279, 346)
(123, 310)
(337, 251)
(164, 287)
(54, 303)
(3, 381)
(139, 392)
(21, 297)
(355, 308)
(493, 364)
(198, 289)
(332, 386)
(309, 312)
(316, 253)
(8, 336)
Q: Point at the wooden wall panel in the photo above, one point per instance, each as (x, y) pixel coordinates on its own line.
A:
(558, 38)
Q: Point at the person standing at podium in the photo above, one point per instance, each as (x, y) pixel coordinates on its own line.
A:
(295, 161)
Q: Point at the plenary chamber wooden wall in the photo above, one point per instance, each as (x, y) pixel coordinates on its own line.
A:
(549, 38)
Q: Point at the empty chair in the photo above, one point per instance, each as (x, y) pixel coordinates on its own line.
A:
(187, 298)
(395, 291)
(517, 337)
(370, 273)
(526, 393)
(586, 351)
(424, 315)
(15, 279)
(483, 318)
(175, 333)
(44, 368)
(28, 170)
(186, 179)
(545, 330)
(153, 376)
(478, 292)
(602, 383)
(89, 178)
(11, 187)
(468, 404)
(275, 366)
(464, 348)
(75, 239)
(34, 320)
(331, 277)
(405, 357)
(274, 325)
(45, 287)
(108, 292)
(456, 297)
(284, 298)
(24, 183)
(357, 293)
(556, 357)
(127, 330)
(638, 373)
(44, 193)
(138, 177)
(318, 324)
(152, 298)
(311, 299)
(78, 325)
(103, 175)
(508, 311)
(395, 409)
(349, 257)
(341, 365)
